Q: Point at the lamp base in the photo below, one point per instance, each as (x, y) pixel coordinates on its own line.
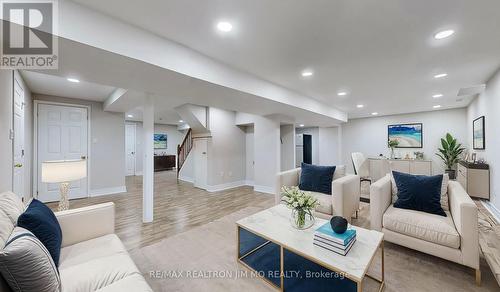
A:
(64, 201)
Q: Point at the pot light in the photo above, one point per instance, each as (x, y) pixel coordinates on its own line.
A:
(342, 93)
(437, 95)
(360, 106)
(130, 116)
(224, 26)
(437, 106)
(444, 34)
(74, 80)
(181, 121)
(374, 113)
(440, 75)
(301, 125)
(307, 73)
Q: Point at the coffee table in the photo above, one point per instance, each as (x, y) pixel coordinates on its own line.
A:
(286, 258)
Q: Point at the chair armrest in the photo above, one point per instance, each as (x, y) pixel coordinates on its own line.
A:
(287, 178)
(345, 195)
(380, 200)
(464, 214)
(86, 223)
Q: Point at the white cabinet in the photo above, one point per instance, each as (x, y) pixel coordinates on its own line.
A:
(379, 167)
(475, 178)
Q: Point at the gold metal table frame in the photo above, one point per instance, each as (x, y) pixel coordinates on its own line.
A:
(359, 282)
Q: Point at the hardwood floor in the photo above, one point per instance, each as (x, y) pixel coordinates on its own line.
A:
(177, 207)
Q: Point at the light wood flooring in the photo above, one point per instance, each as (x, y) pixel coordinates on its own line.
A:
(178, 207)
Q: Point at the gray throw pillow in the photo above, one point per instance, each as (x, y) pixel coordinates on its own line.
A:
(26, 265)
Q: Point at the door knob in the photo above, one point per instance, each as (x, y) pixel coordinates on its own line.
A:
(84, 157)
(18, 165)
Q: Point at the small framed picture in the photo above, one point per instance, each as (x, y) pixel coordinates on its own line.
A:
(478, 140)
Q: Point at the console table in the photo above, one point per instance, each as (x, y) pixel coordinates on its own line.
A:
(475, 178)
(164, 162)
(379, 167)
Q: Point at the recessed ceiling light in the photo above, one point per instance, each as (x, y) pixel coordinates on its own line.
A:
(224, 26)
(301, 125)
(181, 121)
(437, 95)
(73, 80)
(437, 106)
(374, 113)
(440, 75)
(307, 73)
(360, 106)
(444, 34)
(130, 116)
(342, 93)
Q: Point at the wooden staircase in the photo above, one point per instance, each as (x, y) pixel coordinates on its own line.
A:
(183, 150)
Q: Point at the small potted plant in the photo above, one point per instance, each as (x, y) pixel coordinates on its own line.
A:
(450, 154)
(302, 205)
(392, 143)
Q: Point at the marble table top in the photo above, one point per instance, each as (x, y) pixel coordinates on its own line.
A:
(274, 225)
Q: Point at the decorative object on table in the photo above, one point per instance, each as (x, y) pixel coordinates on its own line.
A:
(338, 224)
(450, 154)
(160, 141)
(325, 237)
(407, 135)
(419, 155)
(478, 141)
(473, 157)
(64, 172)
(302, 206)
(392, 143)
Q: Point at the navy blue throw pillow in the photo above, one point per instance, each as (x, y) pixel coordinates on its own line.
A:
(316, 178)
(42, 222)
(419, 192)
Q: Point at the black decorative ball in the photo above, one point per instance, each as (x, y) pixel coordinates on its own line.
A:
(339, 224)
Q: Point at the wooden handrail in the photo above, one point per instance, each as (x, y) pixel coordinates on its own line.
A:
(183, 150)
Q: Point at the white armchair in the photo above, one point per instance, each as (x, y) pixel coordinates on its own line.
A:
(344, 200)
(454, 238)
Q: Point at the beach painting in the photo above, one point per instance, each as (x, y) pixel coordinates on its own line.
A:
(408, 135)
(478, 133)
(160, 141)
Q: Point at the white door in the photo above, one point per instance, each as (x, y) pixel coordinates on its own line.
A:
(130, 149)
(200, 148)
(62, 135)
(19, 164)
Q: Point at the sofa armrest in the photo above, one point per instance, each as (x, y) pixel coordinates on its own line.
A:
(464, 214)
(345, 195)
(86, 223)
(380, 200)
(287, 178)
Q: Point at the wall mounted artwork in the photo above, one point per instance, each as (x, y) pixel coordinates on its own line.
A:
(160, 141)
(478, 140)
(407, 135)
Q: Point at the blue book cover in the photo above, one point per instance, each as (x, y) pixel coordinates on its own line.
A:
(344, 238)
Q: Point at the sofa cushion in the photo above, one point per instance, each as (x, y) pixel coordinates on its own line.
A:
(12, 205)
(339, 172)
(91, 249)
(27, 265)
(41, 221)
(325, 203)
(429, 227)
(135, 283)
(316, 178)
(419, 192)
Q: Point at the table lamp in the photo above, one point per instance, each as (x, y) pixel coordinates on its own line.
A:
(63, 172)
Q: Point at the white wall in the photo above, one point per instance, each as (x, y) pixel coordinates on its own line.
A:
(369, 135)
(314, 132)
(250, 153)
(107, 153)
(488, 104)
(5, 127)
(329, 146)
(226, 149)
(287, 136)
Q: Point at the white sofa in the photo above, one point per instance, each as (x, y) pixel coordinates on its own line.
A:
(344, 200)
(92, 257)
(454, 238)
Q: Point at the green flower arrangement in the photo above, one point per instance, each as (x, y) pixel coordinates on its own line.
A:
(301, 203)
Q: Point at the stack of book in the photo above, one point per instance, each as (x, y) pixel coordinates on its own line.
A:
(326, 238)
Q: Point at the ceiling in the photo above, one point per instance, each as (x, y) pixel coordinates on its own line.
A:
(381, 52)
(40, 83)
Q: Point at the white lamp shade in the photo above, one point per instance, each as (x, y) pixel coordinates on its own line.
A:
(63, 171)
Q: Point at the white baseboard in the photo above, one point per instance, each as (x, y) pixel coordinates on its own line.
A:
(263, 189)
(492, 208)
(226, 186)
(108, 191)
(249, 183)
(186, 179)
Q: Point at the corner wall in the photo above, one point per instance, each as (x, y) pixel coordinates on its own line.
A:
(488, 104)
(5, 127)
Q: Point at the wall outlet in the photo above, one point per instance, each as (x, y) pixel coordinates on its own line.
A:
(11, 134)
